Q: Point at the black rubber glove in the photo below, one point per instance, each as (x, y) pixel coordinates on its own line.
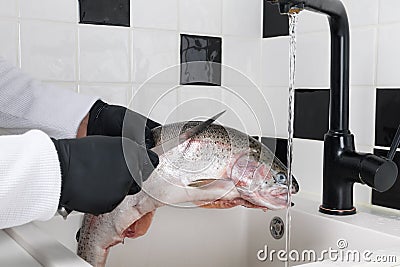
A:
(112, 120)
(99, 171)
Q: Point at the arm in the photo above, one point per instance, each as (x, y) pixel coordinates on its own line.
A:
(26, 104)
(91, 175)
(30, 179)
(82, 129)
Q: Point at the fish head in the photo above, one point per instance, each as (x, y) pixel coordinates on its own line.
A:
(261, 178)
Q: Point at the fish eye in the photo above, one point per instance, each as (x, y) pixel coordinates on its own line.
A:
(280, 178)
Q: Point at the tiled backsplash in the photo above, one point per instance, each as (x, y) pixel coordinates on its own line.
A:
(44, 37)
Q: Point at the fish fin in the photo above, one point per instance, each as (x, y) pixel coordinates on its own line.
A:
(204, 182)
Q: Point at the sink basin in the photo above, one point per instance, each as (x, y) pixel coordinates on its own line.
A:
(370, 235)
(234, 237)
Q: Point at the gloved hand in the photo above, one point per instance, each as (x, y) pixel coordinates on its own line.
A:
(99, 171)
(112, 120)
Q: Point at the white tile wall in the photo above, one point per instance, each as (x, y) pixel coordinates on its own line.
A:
(312, 22)
(362, 12)
(9, 48)
(388, 55)
(60, 10)
(388, 11)
(155, 52)
(161, 101)
(307, 165)
(8, 8)
(275, 61)
(63, 85)
(240, 114)
(313, 60)
(236, 19)
(277, 98)
(156, 14)
(104, 53)
(201, 16)
(243, 55)
(48, 50)
(110, 93)
(248, 110)
(362, 114)
(198, 102)
(362, 56)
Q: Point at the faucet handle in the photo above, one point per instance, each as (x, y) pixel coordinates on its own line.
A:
(378, 172)
(395, 144)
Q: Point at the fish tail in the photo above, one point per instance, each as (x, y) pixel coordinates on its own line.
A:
(89, 248)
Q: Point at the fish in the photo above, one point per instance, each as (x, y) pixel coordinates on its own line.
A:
(218, 168)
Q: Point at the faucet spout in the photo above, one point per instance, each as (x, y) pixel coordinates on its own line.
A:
(340, 46)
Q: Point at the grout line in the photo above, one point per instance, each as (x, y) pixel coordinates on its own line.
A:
(205, 34)
(384, 148)
(178, 26)
(8, 19)
(359, 27)
(86, 83)
(373, 116)
(376, 59)
(131, 8)
(382, 86)
(51, 20)
(19, 48)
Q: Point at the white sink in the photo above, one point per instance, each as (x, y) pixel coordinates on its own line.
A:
(371, 231)
(201, 237)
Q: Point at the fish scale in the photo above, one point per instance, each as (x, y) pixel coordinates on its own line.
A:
(218, 168)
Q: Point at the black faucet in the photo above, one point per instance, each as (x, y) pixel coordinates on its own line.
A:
(343, 166)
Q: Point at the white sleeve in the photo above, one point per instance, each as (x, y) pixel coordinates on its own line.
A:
(27, 104)
(30, 178)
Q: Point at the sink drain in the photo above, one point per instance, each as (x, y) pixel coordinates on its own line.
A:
(277, 228)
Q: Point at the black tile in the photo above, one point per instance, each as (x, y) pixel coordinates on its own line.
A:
(105, 12)
(278, 145)
(311, 113)
(390, 198)
(387, 117)
(200, 60)
(274, 24)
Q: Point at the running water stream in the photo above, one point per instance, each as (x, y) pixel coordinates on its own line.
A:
(292, 55)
